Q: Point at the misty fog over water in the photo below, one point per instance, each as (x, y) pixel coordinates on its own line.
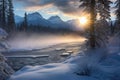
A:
(38, 41)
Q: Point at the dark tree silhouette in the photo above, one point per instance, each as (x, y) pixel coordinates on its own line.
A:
(92, 22)
(7, 15)
(117, 12)
(25, 22)
(90, 7)
(10, 17)
(104, 9)
(94, 7)
(3, 9)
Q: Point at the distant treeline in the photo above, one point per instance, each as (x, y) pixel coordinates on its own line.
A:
(45, 29)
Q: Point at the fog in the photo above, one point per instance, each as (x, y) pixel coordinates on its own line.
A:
(38, 41)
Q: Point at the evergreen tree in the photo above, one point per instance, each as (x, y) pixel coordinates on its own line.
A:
(117, 12)
(3, 12)
(104, 11)
(103, 24)
(25, 23)
(90, 7)
(0, 12)
(93, 7)
(103, 7)
(10, 17)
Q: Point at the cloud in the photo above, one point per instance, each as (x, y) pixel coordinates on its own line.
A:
(70, 7)
(53, 13)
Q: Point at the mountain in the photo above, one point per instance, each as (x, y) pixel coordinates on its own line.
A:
(37, 19)
(54, 21)
(57, 22)
(34, 16)
(18, 19)
(34, 19)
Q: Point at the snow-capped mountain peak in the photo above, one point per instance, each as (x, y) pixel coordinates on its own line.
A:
(55, 19)
(34, 16)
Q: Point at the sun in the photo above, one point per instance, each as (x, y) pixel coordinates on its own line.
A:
(83, 20)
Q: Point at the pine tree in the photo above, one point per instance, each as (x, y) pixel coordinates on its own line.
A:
(3, 9)
(25, 23)
(103, 7)
(10, 17)
(0, 12)
(117, 12)
(90, 7)
(104, 11)
(103, 24)
(93, 7)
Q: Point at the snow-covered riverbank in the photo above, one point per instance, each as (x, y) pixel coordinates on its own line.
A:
(98, 64)
(53, 54)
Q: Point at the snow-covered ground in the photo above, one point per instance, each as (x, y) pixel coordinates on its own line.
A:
(53, 54)
(5, 69)
(98, 64)
(92, 66)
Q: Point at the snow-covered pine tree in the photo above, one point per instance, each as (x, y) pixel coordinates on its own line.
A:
(97, 33)
(102, 33)
(90, 8)
(102, 25)
(104, 9)
(117, 12)
(5, 69)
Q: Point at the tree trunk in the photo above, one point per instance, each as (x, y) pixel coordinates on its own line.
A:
(3, 14)
(92, 28)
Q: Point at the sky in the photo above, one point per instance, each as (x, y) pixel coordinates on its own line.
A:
(66, 9)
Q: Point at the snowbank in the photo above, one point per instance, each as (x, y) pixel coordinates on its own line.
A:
(114, 43)
(99, 64)
(3, 33)
(5, 69)
(94, 65)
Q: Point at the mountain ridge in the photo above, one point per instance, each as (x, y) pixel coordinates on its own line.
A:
(37, 19)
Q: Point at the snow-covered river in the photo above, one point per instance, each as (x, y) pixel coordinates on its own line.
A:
(38, 49)
(53, 54)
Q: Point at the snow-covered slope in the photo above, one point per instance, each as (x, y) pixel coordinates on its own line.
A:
(55, 19)
(5, 70)
(94, 65)
(37, 19)
(34, 16)
(18, 19)
(3, 33)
